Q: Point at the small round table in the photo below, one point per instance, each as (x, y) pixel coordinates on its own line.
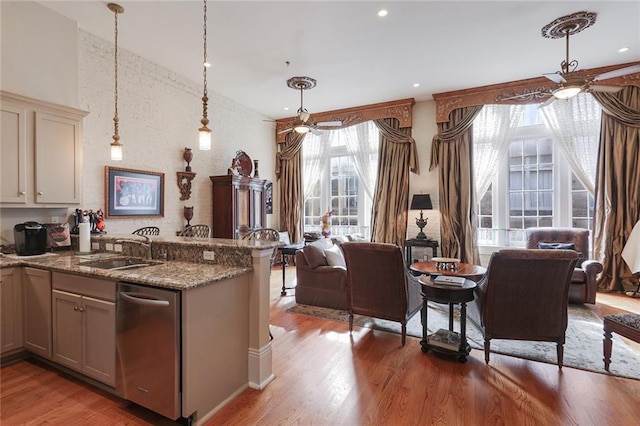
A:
(446, 342)
(467, 270)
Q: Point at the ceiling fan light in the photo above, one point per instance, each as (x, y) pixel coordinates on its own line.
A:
(301, 128)
(567, 92)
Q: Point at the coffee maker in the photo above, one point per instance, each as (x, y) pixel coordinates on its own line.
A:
(30, 238)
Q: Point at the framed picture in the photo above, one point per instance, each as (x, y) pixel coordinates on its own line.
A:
(133, 193)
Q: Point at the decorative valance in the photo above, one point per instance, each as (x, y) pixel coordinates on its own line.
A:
(400, 109)
(532, 90)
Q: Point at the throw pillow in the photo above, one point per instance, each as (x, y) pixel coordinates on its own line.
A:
(339, 239)
(335, 257)
(314, 252)
(557, 246)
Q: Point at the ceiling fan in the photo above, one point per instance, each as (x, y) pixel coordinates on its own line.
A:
(569, 81)
(302, 123)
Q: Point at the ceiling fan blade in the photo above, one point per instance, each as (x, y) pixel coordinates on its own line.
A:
(604, 88)
(523, 95)
(633, 69)
(547, 102)
(556, 77)
(315, 131)
(329, 123)
(285, 131)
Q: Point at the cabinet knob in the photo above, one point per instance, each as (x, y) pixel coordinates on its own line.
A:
(75, 308)
(23, 193)
(40, 193)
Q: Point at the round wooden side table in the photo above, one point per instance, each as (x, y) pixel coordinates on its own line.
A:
(446, 342)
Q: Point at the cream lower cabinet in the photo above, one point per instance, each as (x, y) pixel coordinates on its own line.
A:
(36, 307)
(84, 324)
(11, 310)
(41, 163)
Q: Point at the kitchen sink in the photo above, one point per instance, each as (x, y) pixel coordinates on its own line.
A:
(120, 263)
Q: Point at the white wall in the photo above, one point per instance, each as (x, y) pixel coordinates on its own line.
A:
(39, 53)
(424, 127)
(159, 115)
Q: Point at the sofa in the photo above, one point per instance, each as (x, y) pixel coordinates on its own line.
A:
(321, 273)
(583, 281)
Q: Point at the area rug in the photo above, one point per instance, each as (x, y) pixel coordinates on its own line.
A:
(582, 349)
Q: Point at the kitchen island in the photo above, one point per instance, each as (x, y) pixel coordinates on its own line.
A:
(224, 301)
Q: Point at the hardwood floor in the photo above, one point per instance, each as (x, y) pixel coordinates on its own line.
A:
(325, 376)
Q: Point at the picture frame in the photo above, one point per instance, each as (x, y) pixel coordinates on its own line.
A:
(133, 193)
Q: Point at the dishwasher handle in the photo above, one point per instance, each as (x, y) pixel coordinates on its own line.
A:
(143, 299)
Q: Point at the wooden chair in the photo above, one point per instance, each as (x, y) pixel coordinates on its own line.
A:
(524, 296)
(264, 234)
(196, 231)
(147, 230)
(378, 283)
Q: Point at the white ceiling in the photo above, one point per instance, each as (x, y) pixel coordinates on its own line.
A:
(357, 57)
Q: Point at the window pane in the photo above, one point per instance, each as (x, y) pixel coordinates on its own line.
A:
(546, 221)
(515, 222)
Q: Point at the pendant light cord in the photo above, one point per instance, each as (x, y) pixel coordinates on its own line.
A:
(205, 98)
(116, 137)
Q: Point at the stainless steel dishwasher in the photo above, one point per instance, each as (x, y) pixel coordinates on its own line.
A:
(148, 347)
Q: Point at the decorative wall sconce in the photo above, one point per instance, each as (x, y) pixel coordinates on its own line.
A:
(185, 178)
(188, 214)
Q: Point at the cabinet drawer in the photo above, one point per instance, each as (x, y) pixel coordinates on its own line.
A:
(87, 286)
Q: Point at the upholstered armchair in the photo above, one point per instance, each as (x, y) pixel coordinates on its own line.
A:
(319, 283)
(583, 281)
(524, 296)
(379, 285)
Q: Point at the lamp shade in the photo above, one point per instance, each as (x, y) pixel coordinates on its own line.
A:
(421, 202)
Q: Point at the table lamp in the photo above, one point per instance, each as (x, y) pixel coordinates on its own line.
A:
(421, 202)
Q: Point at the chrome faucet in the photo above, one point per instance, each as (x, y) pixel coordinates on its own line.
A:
(146, 244)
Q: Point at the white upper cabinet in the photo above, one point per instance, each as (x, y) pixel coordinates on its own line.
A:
(41, 144)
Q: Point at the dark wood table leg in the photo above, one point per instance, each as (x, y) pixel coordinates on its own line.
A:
(283, 292)
(607, 347)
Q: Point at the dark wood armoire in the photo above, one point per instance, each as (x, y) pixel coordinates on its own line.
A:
(238, 205)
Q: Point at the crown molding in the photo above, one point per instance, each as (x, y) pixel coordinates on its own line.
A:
(400, 109)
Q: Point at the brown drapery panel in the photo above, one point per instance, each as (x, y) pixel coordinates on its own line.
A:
(451, 152)
(617, 184)
(289, 172)
(397, 157)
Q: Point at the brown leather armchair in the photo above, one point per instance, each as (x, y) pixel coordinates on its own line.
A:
(583, 281)
(524, 296)
(379, 284)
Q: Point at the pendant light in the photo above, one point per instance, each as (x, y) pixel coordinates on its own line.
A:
(116, 146)
(204, 132)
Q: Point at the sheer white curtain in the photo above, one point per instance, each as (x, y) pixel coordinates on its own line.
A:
(362, 141)
(315, 151)
(575, 125)
(493, 130)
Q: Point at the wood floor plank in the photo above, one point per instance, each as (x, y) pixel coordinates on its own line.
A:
(327, 376)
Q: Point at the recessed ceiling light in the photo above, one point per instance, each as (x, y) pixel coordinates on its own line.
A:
(382, 12)
(286, 108)
(624, 49)
(416, 84)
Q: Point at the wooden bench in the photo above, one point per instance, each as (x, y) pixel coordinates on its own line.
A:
(626, 325)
